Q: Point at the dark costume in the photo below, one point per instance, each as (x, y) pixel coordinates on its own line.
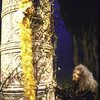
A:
(73, 93)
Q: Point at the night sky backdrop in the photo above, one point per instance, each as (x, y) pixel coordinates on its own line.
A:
(64, 47)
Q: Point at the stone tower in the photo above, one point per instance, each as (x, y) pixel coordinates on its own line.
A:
(42, 47)
(10, 69)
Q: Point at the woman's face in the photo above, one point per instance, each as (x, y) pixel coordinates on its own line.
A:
(76, 75)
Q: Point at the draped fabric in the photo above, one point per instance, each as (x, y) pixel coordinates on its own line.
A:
(74, 93)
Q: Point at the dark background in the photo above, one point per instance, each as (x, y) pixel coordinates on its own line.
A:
(71, 16)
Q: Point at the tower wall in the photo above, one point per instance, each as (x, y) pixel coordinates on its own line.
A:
(42, 47)
(10, 69)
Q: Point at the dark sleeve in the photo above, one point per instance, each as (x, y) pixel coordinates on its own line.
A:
(91, 96)
(61, 93)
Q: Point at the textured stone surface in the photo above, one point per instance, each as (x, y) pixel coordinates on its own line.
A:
(42, 48)
(10, 59)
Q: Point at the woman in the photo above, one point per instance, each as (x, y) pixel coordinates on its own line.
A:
(82, 87)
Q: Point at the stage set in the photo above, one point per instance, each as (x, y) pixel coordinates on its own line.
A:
(41, 43)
